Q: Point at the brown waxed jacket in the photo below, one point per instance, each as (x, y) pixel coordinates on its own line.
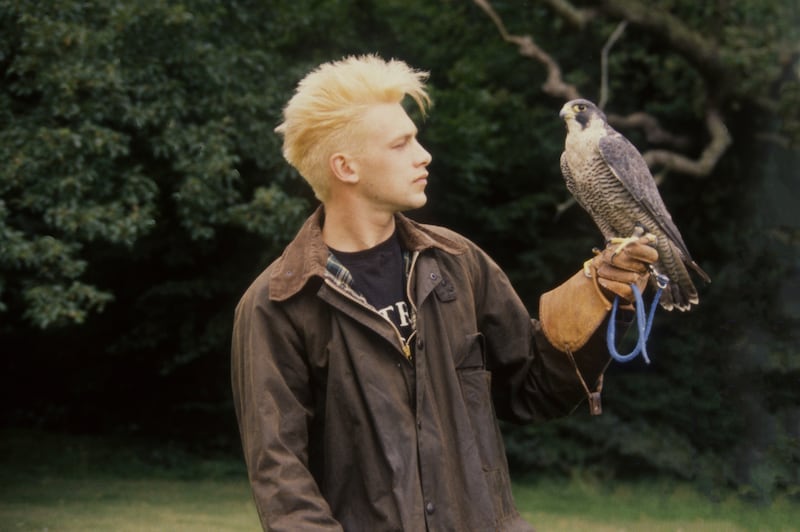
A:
(341, 430)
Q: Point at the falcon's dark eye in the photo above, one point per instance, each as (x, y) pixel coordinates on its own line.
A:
(581, 107)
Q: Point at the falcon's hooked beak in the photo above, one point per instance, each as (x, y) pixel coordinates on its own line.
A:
(566, 112)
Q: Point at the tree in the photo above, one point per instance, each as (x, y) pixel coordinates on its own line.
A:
(140, 175)
(119, 117)
(734, 67)
(138, 166)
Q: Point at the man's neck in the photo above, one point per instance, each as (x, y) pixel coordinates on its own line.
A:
(351, 230)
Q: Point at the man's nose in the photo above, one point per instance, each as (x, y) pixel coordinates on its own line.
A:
(425, 157)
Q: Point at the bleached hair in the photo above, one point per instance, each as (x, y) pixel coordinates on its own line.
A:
(323, 115)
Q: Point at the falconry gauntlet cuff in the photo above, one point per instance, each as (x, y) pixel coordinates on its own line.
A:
(572, 312)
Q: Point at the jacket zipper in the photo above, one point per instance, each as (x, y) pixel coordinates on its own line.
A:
(405, 346)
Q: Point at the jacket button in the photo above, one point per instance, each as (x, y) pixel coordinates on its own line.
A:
(430, 507)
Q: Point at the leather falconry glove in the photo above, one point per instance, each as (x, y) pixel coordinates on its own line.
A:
(572, 312)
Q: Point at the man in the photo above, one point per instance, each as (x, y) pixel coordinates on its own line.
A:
(371, 360)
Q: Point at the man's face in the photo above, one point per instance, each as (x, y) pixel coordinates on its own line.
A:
(390, 162)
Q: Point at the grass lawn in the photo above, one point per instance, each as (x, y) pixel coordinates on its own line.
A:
(56, 483)
(652, 506)
(89, 504)
(84, 484)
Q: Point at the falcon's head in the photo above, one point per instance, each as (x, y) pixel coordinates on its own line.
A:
(579, 114)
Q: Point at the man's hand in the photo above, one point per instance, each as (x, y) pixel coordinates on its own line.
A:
(619, 265)
(571, 312)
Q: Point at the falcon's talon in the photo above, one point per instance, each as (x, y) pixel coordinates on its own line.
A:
(622, 243)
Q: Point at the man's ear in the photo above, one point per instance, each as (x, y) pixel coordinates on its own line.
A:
(343, 168)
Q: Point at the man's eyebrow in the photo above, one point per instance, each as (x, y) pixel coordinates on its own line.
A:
(406, 135)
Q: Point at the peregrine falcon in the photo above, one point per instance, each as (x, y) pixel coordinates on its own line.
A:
(609, 178)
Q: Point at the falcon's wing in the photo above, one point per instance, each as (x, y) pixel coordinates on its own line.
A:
(629, 167)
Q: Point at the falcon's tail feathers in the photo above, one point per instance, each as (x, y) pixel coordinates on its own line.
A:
(681, 293)
(698, 270)
(678, 296)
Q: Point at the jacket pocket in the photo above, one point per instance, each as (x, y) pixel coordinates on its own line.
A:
(473, 354)
(476, 384)
(475, 389)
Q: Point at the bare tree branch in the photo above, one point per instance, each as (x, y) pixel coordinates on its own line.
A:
(613, 38)
(653, 132)
(775, 139)
(564, 206)
(703, 166)
(554, 85)
(694, 46)
(578, 17)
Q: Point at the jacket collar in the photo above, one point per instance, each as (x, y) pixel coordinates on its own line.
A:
(306, 257)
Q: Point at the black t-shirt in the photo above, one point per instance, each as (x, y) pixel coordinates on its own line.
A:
(379, 275)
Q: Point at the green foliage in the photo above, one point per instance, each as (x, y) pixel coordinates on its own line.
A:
(140, 176)
(715, 406)
(118, 118)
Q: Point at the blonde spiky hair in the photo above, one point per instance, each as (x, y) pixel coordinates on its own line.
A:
(322, 116)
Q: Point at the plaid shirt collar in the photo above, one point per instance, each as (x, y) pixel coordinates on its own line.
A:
(307, 255)
(339, 275)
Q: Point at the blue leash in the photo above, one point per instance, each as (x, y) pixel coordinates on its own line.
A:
(642, 324)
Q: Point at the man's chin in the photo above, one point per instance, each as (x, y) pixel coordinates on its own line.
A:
(417, 203)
